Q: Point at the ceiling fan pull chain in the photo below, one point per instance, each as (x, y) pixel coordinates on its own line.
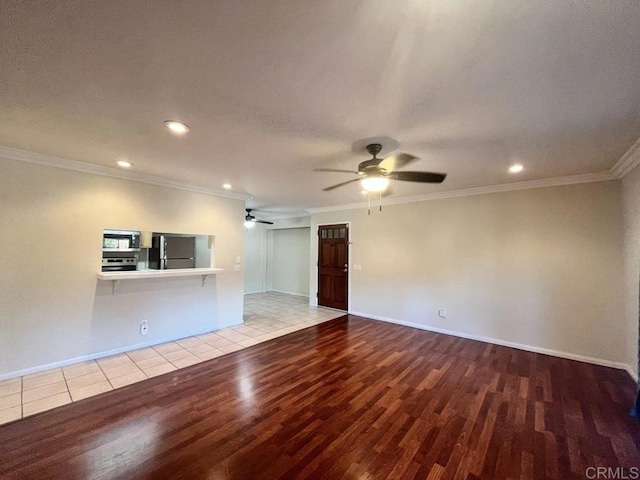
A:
(369, 198)
(380, 199)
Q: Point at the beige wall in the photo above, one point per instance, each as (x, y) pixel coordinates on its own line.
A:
(631, 201)
(54, 309)
(288, 269)
(255, 259)
(541, 268)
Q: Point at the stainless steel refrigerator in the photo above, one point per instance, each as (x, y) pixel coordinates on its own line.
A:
(169, 252)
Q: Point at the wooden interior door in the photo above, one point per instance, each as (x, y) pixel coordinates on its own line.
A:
(333, 266)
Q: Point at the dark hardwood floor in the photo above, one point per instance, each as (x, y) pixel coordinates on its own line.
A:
(351, 398)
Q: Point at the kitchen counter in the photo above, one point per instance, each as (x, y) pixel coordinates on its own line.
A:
(116, 277)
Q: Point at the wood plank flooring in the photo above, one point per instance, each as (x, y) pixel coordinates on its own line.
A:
(350, 398)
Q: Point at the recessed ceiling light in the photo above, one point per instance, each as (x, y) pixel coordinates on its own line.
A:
(516, 168)
(124, 164)
(176, 127)
(227, 186)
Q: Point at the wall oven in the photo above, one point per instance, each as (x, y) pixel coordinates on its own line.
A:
(119, 264)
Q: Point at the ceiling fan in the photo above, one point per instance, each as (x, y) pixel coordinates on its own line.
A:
(250, 220)
(376, 172)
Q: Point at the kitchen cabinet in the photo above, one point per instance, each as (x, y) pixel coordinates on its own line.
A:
(146, 239)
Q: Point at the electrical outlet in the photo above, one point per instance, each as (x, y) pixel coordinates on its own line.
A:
(442, 313)
(238, 259)
(144, 327)
(236, 268)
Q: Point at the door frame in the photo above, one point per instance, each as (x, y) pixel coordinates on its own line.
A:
(314, 302)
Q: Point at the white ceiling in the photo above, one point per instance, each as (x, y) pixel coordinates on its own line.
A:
(274, 89)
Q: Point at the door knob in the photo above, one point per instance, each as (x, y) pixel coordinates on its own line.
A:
(346, 268)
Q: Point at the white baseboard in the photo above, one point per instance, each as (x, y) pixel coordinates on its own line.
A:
(108, 353)
(257, 291)
(290, 293)
(504, 343)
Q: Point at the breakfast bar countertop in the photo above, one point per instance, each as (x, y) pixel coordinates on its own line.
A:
(139, 274)
(115, 277)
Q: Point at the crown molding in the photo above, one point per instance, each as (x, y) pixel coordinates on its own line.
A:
(508, 187)
(628, 161)
(66, 164)
(289, 216)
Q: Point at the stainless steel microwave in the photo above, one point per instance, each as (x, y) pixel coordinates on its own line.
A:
(120, 241)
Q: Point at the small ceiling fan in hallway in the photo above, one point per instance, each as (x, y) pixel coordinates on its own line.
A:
(250, 220)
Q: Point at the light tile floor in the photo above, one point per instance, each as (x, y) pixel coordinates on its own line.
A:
(266, 316)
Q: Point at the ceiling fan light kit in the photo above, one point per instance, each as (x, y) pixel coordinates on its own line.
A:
(374, 184)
